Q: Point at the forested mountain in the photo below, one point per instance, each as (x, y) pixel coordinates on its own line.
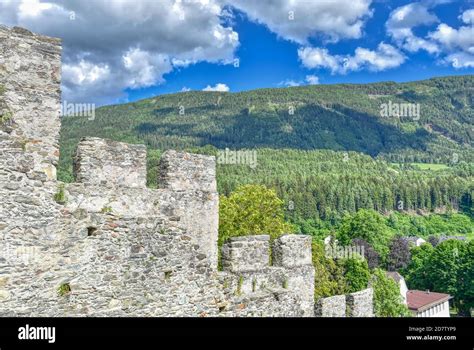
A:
(326, 149)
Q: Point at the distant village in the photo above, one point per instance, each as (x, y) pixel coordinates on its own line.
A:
(421, 303)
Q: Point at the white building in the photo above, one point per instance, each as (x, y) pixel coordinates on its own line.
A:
(330, 240)
(416, 241)
(428, 304)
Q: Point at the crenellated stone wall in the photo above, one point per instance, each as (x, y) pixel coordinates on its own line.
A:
(106, 245)
(358, 304)
(248, 276)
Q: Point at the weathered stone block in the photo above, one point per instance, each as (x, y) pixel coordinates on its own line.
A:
(181, 171)
(30, 66)
(250, 253)
(360, 304)
(292, 251)
(331, 307)
(105, 162)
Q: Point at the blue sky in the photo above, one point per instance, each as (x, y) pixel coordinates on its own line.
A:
(119, 51)
(265, 60)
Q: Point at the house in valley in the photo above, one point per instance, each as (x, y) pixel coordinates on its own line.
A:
(428, 304)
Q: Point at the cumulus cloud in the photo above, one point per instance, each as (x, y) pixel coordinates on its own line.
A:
(312, 79)
(457, 43)
(453, 46)
(290, 83)
(309, 80)
(400, 26)
(145, 69)
(468, 16)
(218, 87)
(300, 20)
(384, 57)
(460, 60)
(451, 38)
(138, 42)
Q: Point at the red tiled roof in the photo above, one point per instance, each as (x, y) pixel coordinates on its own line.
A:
(421, 300)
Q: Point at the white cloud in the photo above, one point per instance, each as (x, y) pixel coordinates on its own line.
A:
(218, 87)
(145, 69)
(384, 57)
(33, 8)
(315, 57)
(450, 38)
(468, 16)
(312, 79)
(139, 41)
(460, 60)
(300, 20)
(309, 80)
(290, 83)
(401, 22)
(85, 72)
(458, 44)
(185, 89)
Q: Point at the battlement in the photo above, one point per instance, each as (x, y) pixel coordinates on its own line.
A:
(292, 251)
(30, 74)
(248, 275)
(358, 304)
(245, 254)
(180, 171)
(251, 253)
(110, 163)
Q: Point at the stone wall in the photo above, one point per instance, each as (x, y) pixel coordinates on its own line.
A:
(110, 163)
(334, 306)
(107, 245)
(248, 277)
(358, 304)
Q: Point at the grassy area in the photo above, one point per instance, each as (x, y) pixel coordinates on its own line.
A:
(427, 166)
(423, 166)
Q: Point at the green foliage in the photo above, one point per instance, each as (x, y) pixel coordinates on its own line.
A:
(251, 210)
(465, 290)
(329, 276)
(106, 209)
(415, 273)
(356, 274)
(5, 113)
(368, 225)
(64, 289)
(447, 268)
(387, 299)
(60, 196)
(425, 226)
(239, 285)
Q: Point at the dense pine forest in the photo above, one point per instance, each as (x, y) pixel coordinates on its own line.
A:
(325, 149)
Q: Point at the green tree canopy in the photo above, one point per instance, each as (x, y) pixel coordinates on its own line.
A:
(388, 301)
(447, 268)
(368, 225)
(251, 210)
(329, 276)
(356, 273)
